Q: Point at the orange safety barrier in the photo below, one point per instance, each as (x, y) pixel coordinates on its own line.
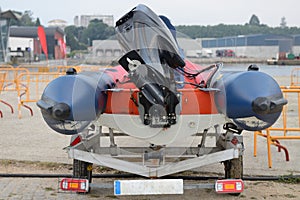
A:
(93, 68)
(31, 87)
(81, 68)
(6, 66)
(2, 78)
(10, 81)
(30, 80)
(65, 68)
(34, 67)
(285, 126)
(51, 68)
(295, 77)
(40, 68)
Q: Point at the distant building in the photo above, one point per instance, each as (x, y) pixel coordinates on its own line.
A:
(76, 21)
(296, 47)
(5, 18)
(191, 48)
(106, 50)
(111, 49)
(84, 20)
(256, 46)
(24, 42)
(58, 23)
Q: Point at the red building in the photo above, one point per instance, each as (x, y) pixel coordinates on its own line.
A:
(24, 40)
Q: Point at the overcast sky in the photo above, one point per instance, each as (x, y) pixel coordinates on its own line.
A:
(181, 12)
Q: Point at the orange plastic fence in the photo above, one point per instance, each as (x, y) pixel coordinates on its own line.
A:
(295, 77)
(287, 124)
(31, 87)
(29, 81)
(6, 66)
(2, 78)
(42, 68)
(80, 68)
(10, 80)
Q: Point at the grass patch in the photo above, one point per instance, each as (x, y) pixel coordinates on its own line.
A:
(208, 190)
(290, 196)
(258, 183)
(290, 179)
(49, 189)
(39, 164)
(94, 196)
(111, 196)
(11, 194)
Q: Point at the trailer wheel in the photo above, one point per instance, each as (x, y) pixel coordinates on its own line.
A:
(234, 169)
(83, 170)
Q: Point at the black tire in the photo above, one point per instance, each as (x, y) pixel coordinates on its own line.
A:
(82, 170)
(234, 170)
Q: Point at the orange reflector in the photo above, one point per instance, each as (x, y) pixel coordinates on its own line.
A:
(75, 185)
(229, 186)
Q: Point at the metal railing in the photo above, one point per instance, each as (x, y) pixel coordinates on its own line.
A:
(31, 86)
(287, 126)
(2, 79)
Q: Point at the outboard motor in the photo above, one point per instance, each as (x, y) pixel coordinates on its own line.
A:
(152, 55)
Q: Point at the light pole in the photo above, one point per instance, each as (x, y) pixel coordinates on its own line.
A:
(29, 50)
(235, 49)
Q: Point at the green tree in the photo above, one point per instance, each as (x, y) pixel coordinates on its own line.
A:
(254, 20)
(26, 19)
(73, 36)
(79, 38)
(283, 23)
(223, 30)
(96, 30)
(37, 22)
